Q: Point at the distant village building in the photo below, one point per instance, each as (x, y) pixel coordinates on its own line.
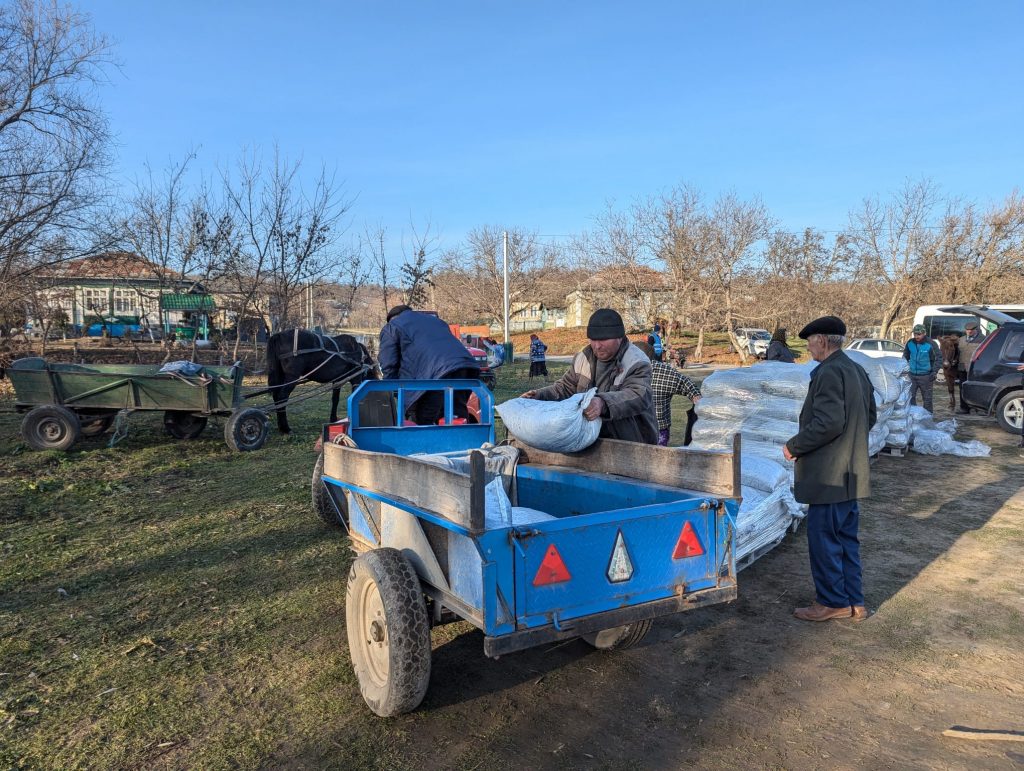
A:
(118, 287)
(528, 316)
(640, 294)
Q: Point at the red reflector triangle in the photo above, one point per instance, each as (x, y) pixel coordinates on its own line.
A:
(552, 569)
(688, 544)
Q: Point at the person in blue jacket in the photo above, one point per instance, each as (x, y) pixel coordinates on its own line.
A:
(654, 340)
(420, 346)
(922, 354)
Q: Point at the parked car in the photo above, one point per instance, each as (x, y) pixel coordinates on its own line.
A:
(487, 375)
(993, 383)
(876, 347)
(754, 340)
(939, 320)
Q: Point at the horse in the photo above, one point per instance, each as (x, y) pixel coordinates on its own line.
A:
(297, 355)
(950, 364)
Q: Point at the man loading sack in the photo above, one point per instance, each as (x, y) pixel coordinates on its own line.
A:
(620, 371)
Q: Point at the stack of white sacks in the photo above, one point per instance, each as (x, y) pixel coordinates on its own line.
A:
(762, 403)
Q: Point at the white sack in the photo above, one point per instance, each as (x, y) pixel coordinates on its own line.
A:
(552, 426)
(762, 473)
(928, 441)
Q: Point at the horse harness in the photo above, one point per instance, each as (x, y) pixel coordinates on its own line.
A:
(323, 341)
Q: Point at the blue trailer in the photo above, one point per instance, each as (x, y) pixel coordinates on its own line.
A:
(530, 546)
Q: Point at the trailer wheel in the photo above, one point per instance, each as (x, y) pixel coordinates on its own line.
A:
(183, 425)
(1010, 412)
(50, 427)
(620, 636)
(95, 425)
(388, 632)
(323, 502)
(246, 430)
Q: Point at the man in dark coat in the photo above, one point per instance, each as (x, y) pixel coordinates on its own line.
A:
(831, 454)
(420, 346)
(620, 371)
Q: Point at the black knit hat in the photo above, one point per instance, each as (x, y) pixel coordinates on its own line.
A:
(826, 325)
(396, 310)
(605, 324)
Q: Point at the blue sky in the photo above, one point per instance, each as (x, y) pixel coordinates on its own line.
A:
(534, 115)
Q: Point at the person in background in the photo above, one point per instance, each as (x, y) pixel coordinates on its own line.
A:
(538, 357)
(832, 471)
(620, 371)
(777, 348)
(966, 345)
(666, 382)
(924, 360)
(420, 346)
(654, 340)
(496, 352)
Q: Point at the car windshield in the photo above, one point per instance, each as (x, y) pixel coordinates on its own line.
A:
(760, 334)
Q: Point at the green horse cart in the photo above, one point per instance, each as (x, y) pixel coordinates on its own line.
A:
(66, 401)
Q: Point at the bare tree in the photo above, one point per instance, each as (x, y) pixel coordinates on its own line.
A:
(53, 140)
(374, 243)
(287, 234)
(353, 275)
(480, 293)
(416, 269)
(890, 243)
(978, 257)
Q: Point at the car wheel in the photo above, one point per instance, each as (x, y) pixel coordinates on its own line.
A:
(1010, 412)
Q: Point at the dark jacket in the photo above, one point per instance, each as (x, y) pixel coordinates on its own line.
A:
(779, 351)
(420, 346)
(831, 447)
(624, 385)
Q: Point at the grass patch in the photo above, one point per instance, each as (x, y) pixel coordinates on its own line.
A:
(175, 604)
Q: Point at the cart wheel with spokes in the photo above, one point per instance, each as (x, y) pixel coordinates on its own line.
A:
(50, 427)
(183, 425)
(323, 502)
(388, 632)
(95, 425)
(246, 430)
(620, 636)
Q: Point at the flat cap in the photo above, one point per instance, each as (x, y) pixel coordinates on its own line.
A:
(826, 325)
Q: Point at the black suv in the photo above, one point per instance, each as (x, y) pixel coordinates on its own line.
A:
(994, 384)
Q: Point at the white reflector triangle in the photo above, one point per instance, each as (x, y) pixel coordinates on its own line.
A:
(621, 566)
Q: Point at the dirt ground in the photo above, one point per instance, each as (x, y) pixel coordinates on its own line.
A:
(176, 605)
(748, 686)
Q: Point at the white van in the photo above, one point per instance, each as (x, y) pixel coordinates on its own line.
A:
(938, 323)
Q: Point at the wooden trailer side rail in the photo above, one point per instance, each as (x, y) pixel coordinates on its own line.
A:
(414, 483)
(708, 471)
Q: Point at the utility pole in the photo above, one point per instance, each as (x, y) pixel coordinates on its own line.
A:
(504, 263)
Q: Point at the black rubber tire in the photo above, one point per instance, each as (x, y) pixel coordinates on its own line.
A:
(246, 430)
(183, 425)
(323, 503)
(95, 425)
(50, 427)
(1012, 402)
(388, 632)
(620, 636)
